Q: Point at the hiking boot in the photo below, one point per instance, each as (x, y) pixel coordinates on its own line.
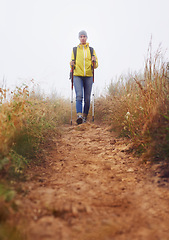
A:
(84, 117)
(79, 119)
(84, 120)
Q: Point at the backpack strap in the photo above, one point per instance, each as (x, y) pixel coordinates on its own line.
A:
(74, 52)
(91, 51)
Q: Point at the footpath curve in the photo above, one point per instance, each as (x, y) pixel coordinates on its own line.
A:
(91, 188)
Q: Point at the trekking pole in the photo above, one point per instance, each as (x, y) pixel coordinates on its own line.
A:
(72, 93)
(93, 95)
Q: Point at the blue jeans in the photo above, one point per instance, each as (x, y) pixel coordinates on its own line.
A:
(83, 85)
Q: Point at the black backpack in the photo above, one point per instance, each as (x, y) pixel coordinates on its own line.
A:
(75, 52)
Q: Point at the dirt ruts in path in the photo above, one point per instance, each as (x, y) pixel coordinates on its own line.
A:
(91, 189)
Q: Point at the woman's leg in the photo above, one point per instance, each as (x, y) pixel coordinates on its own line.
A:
(88, 82)
(78, 84)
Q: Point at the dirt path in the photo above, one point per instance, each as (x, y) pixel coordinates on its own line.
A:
(91, 189)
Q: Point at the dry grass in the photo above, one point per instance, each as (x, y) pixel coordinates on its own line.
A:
(25, 119)
(138, 104)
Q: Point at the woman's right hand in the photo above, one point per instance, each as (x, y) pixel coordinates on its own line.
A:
(72, 63)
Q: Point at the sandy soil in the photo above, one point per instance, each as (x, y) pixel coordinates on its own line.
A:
(91, 188)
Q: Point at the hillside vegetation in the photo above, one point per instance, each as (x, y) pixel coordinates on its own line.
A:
(137, 107)
(27, 121)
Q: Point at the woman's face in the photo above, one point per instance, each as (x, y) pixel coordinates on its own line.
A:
(83, 39)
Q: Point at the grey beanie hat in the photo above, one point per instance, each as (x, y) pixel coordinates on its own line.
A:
(82, 33)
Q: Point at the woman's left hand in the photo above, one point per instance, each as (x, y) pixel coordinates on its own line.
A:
(93, 58)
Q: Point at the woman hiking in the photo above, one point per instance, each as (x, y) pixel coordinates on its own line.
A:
(82, 61)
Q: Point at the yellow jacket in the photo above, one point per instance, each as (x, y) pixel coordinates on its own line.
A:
(83, 65)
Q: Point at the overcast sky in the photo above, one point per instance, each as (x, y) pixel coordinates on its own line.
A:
(37, 37)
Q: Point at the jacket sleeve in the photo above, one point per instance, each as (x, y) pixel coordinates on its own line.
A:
(96, 64)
